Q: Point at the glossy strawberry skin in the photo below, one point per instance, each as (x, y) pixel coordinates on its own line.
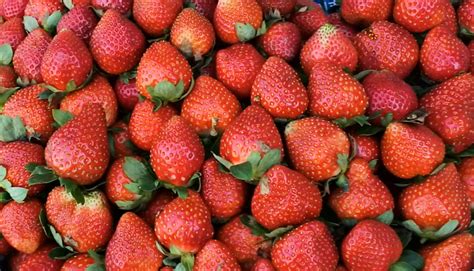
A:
(368, 147)
(366, 12)
(38, 260)
(466, 172)
(12, 32)
(466, 15)
(155, 17)
(80, 20)
(348, 30)
(29, 54)
(283, 6)
(215, 255)
(156, 205)
(263, 264)
(78, 262)
(7, 77)
(455, 253)
(116, 181)
(282, 40)
(41, 8)
(418, 16)
(13, 8)
(121, 138)
(471, 49)
(122, 6)
(127, 93)
(205, 7)
(310, 21)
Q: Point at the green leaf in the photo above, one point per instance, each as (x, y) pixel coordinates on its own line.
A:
(133, 188)
(52, 21)
(56, 236)
(68, 4)
(6, 54)
(11, 129)
(387, 119)
(263, 29)
(411, 225)
(276, 233)
(245, 32)
(386, 217)
(270, 159)
(3, 172)
(180, 267)
(369, 130)
(402, 266)
(438, 169)
(4, 197)
(165, 91)
(361, 75)
(412, 258)
(111, 144)
(5, 95)
(447, 229)
(188, 261)
(60, 253)
(98, 259)
(71, 86)
(222, 161)
(342, 182)
(253, 225)
(40, 174)
(349, 222)
(73, 189)
(373, 163)
(343, 162)
(127, 205)
(242, 171)
(181, 191)
(61, 117)
(30, 23)
(138, 172)
(18, 194)
(44, 223)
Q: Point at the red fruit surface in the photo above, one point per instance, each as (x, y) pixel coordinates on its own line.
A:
(466, 171)
(38, 260)
(13, 9)
(127, 93)
(12, 32)
(7, 77)
(29, 55)
(122, 6)
(418, 16)
(455, 253)
(155, 17)
(156, 205)
(282, 40)
(310, 20)
(80, 20)
(366, 12)
(215, 255)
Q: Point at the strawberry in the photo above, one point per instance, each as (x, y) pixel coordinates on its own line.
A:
(371, 245)
(116, 44)
(193, 34)
(210, 107)
(66, 62)
(328, 45)
(194, 220)
(7, 77)
(122, 6)
(222, 193)
(418, 16)
(309, 20)
(29, 55)
(367, 147)
(214, 255)
(385, 45)
(282, 40)
(20, 225)
(122, 144)
(12, 32)
(81, 3)
(279, 90)
(39, 9)
(163, 73)
(348, 30)
(366, 195)
(14, 8)
(156, 205)
(466, 171)
(177, 153)
(388, 93)
(366, 12)
(132, 246)
(38, 260)
(454, 253)
(146, 123)
(314, 145)
(443, 55)
(78, 262)
(263, 264)
(285, 197)
(66, 155)
(471, 49)
(284, 7)
(237, 20)
(127, 93)
(205, 7)
(308, 247)
(99, 92)
(466, 16)
(80, 20)
(237, 66)
(156, 18)
(84, 227)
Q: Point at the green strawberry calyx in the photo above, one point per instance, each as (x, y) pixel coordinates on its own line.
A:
(165, 92)
(63, 251)
(17, 194)
(409, 261)
(448, 229)
(258, 230)
(6, 54)
(246, 31)
(179, 260)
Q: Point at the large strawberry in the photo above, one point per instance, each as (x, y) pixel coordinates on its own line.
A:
(215, 255)
(156, 18)
(132, 246)
(466, 171)
(13, 8)
(156, 205)
(466, 17)
(418, 16)
(116, 44)
(385, 45)
(284, 7)
(122, 6)
(454, 253)
(80, 20)
(41, 9)
(365, 12)
(282, 40)
(38, 260)
(309, 20)
(12, 32)
(127, 93)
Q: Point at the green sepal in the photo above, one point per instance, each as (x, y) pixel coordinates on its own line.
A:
(448, 229)
(245, 32)
(99, 261)
(40, 174)
(61, 117)
(4, 197)
(126, 76)
(413, 259)
(60, 253)
(361, 75)
(30, 23)
(373, 163)
(50, 22)
(44, 223)
(278, 232)
(6, 54)
(11, 129)
(405, 235)
(139, 173)
(387, 217)
(369, 130)
(111, 144)
(386, 120)
(73, 189)
(68, 3)
(5, 94)
(187, 261)
(165, 92)
(360, 120)
(250, 222)
(401, 266)
(17, 194)
(465, 32)
(53, 98)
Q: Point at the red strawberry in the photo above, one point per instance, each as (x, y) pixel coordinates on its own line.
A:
(309, 20)
(466, 171)
(210, 107)
(450, 21)
(116, 44)
(39, 260)
(20, 225)
(263, 264)
(98, 91)
(466, 16)
(418, 16)
(132, 246)
(443, 55)
(5, 248)
(121, 140)
(81, 3)
(7, 77)
(122, 6)
(80, 20)
(205, 7)
(127, 93)
(66, 59)
(156, 205)
(237, 66)
(39, 9)
(193, 34)
(78, 262)
(328, 45)
(386, 45)
(177, 153)
(471, 49)
(156, 18)
(367, 147)
(279, 90)
(308, 247)
(234, 20)
(14, 9)
(348, 30)
(366, 12)
(214, 255)
(84, 227)
(371, 245)
(282, 40)
(454, 253)
(66, 155)
(283, 6)
(146, 123)
(314, 145)
(222, 193)
(388, 93)
(194, 220)
(12, 32)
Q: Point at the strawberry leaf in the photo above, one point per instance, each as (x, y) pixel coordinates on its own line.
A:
(60, 253)
(245, 32)
(73, 189)
(447, 229)
(68, 3)
(99, 263)
(52, 21)
(402, 266)
(4, 197)
(5, 94)
(412, 258)
(253, 225)
(3, 173)
(187, 261)
(361, 75)
(11, 129)
(276, 233)
(242, 171)
(405, 235)
(226, 164)
(44, 223)
(270, 159)
(40, 174)
(61, 117)
(6, 54)
(139, 173)
(386, 217)
(30, 23)
(373, 163)
(18, 194)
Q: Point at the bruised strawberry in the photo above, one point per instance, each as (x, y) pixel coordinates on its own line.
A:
(284, 7)
(466, 172)
(366, 12)
(39, 9)
(454, 253)
(263, 264)
(80, 20)
(156, 205)
(367, 147)
(12, 32)
(215, 255)
(127, 93)
(466, 16)
(282, 40)
(121, 140)
(38, 260)
(78, 262)
(156, 18)
(13, 8)
(418, 16)
(348, 30)
(122, 6)
(309, 20)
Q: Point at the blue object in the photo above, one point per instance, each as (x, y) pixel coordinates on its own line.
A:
(329, 6)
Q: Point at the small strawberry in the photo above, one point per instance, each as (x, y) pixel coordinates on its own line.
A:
(454, 253)
(156, 18)
(127, 93)
(122, 145)
(385, 45)
(466, 171)
(132, 246)
(13, 9)
(466, 16)
(348, 30)
(418, 16)
(214, 255)
(284, 7)
(314, 145)
(282, 40)
(279, 90)
(237, 66)
(40, 9)
(367, 147)
(156, 205)
(80, 20)
(366, 12)
(12, 32)
(309, 20)
(116, 44)
(122, 6)
(263, 264)
(308, 247)
(38, 260)
(78, 262)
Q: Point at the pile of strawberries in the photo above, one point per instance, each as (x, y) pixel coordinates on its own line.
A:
(222, 135)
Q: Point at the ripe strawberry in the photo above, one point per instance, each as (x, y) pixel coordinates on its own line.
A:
(466, 16)
(371, 245)
(443, 55)
(38, 260)
(156, 18)
(366, 12)
(222, 193)
(308, 247)
(78, 262)
(80, 20)
(385, 45)
(263, 264)
(12, 32)
(122, 6)
(283, 6)
(214, 255)
(132, 246)
(146, 123)
(466, 171)
(156, 205)
(121, 140)
(81, 3)
(210, 107)
(127, 93)
(279, 90)
(194, 220)
(66, 59)
(7, 77)
(314, 145)
(193, 34)
(98, 91)
(237, 66)
(29, 55)
(348, 30)
(366, 197)
(388, 93)
(309, 20)
(13, 9)
(84, 227)
(418, 16)
(116, 44)
(252, 131)
(66, 155)
(177, 153)
(205, 7)
(328, 45)
(367, 147)
(282, 40)
(454, 253)
(20, 225)
(450, 21)
(234, 20)
(39, 9)
(471, 49)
